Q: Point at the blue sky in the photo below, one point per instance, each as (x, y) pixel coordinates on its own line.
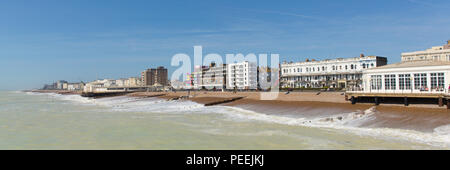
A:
(46, 40)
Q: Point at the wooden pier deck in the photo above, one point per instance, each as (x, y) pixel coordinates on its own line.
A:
(405, 98)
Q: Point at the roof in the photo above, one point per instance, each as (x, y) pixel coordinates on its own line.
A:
(412, 64)
(332, 60)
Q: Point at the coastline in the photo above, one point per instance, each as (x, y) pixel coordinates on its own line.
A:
(336, 99)
(287, 123)
(311, 99)
(329, 105)
(430, 124)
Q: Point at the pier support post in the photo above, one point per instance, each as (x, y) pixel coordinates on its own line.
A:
(377, 101)
(405, 101)
(441, 101)
(353, 99)
(448, 103)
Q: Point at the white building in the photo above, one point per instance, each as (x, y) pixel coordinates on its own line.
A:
(336, 73)
(408, 78)
(60, 84)
(91, 86)
(212, 77)
(75, 86)
(437, 53)
(121, 82)
(133, 82)
(242, 75)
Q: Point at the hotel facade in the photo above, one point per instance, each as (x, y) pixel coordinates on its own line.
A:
(152, 77)
(242, 76)
(419, 72)
(337, 73)
(420, 75)
(437, 53)
(408, 77)
(208, 77)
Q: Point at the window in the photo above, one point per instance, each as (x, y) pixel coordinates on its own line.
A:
(375, 82)
(437, 80)
(433, 80)
(364, 65)
(420, 81)
(435, 58)
(441, 80)
(390, 82)
(404, 81)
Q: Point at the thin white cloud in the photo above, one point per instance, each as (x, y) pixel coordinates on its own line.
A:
(280, 13)
(423, 3)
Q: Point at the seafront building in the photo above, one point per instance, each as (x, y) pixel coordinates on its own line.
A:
(121, 82)
(133, 82)
(75, 86)
(408, 77)
(212, 77)
(155, 77)
(196, 77)
(111, 85)
(60, 84)
(49, 86)
(264, 78)
(419, 75)
(242, 75)
(437, 53)
(336, 73)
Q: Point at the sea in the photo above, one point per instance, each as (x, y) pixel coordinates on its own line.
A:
(52, 121)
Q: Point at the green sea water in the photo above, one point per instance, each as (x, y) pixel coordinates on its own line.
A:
(51, 121)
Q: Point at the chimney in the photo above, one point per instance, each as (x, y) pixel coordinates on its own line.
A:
(361, 55)
(307, 60)
(448, 42)
(313, 59)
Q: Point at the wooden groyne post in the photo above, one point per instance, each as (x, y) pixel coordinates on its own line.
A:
(223, 101)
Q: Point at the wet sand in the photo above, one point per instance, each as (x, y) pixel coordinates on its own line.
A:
(412, 118)
(203, 96)
(337, 98)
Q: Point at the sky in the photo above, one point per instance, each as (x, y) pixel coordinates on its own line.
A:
(42, 41)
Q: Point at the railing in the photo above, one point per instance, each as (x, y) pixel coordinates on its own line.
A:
(412, 91)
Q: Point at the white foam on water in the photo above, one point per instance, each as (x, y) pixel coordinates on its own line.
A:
(443, 130)
(349, 122)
